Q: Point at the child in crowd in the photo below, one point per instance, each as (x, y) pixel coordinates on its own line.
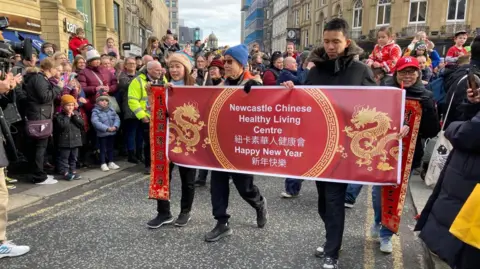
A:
(457, 50)
(426, 70)
(68, 125)
(386, 53)
(106, 122)
(420, 49)
(110, 48)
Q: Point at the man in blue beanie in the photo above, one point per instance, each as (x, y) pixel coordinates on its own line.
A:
(236, 59)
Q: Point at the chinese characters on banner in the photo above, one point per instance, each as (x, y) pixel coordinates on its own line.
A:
(393, 197)
(329, 133)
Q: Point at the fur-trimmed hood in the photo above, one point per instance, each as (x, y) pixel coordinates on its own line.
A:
(319, 55)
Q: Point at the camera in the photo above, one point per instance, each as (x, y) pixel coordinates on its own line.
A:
(9, 49)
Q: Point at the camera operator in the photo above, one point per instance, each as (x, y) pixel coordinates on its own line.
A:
(7, 248)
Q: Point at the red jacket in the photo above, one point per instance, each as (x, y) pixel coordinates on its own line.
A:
(387, 56)
(269, 77)
(75, 43)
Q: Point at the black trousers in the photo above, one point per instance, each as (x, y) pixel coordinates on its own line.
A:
(202, 175)
(187, 176)
(331, 207)
(146, 144)
(67, 160)
(36, 156)
(220, 192)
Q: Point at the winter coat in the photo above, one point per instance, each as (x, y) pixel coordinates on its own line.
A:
(75, 43)
(270, 76)
(435, 58)
(344, 70)
(297, 77)
(38, 94)
(68, 130)
(103, 118)
(242, 80)
(387, 56)
(123, 83)
(89, 83)
(429, 124)
(459, 177)
(201, 75)
(8, 150)
(456, 84)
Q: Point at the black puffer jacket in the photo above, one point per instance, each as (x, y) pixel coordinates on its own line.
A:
(38, 95)
(458, 179)
(68, 130)
(344, 70)
(429, 125)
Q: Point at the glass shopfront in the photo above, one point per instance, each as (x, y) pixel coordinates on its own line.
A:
(85, 8)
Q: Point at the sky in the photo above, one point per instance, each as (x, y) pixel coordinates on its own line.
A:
(220, 16)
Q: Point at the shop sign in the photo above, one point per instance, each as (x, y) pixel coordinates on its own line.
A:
(131, 50)
(23, 23)
(69, 27)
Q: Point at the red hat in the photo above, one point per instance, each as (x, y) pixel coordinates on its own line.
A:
(217, 63)
(407, 61)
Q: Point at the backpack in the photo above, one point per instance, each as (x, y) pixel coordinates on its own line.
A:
(437, 87)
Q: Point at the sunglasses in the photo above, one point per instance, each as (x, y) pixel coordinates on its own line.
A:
(229, 62)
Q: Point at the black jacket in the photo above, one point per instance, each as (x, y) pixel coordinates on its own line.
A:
(8, 151)
(123, 82)
(456, 83)
(459, 177)
(344, 70)
(429, 124)
(38, 95)
(68, 130)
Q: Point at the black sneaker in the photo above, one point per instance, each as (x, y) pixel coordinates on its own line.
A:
(69, 176)
(330, 263)
(262, 214)
(320, 251)
(221, 230)
(200, 183)
(147, 171)
(159, 221)
(182, 219)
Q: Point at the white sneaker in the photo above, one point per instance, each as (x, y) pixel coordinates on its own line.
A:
(104, 167)
(9, 249)
(386, 245)
(113, 166)
(48, 181)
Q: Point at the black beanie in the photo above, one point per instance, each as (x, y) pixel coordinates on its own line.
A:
(275, 56)
(475, 49)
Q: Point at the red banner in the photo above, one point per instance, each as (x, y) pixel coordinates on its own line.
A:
(340, 134)
(393, 197)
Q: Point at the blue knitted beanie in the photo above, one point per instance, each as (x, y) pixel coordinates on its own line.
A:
(239, 53)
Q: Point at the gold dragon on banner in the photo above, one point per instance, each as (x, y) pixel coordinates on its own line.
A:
(185, 129)
(371, 142)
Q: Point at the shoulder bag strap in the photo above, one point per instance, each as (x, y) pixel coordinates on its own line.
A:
(451, 101)
(98, 78)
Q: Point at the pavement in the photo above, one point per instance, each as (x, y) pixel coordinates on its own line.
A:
(102, 224)
(27, 193)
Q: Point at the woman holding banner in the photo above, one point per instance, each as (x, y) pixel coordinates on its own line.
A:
(236, 59)
(179, 70)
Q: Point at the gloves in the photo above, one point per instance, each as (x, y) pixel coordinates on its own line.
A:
(249, 84)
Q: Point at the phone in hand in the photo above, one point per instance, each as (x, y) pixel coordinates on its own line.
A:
(473, 82)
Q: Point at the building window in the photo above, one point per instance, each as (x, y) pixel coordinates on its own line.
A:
(324, 2)
(295, 14)
(357, 14)
(174, 15)
(384, 8)
(418, 11)
(174, 25)
(174, 3)
(456, 10)
(167, 2)
(307, 12)
(306, 38)
(116, 17)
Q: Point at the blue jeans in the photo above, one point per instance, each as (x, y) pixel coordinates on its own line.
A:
(106, 148)
(353, 190)
(293, 186)
(133, 134)
(377, 209)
